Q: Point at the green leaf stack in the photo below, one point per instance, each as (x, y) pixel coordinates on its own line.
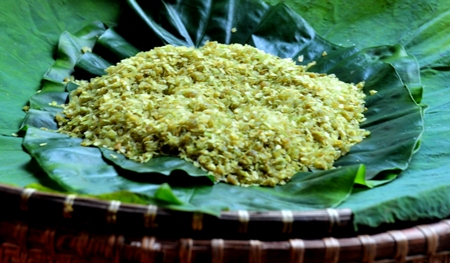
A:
(391, 70)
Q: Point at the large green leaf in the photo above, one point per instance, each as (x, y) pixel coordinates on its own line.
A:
(392, 111)
(421, 26)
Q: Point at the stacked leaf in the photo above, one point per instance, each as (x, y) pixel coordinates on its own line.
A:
(31, 29)
(393, 110)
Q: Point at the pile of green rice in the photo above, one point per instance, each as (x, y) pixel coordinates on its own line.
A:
(247, 117)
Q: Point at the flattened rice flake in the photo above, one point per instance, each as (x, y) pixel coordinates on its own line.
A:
(247, 117)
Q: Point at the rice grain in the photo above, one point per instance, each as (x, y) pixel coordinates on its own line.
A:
(247, 117)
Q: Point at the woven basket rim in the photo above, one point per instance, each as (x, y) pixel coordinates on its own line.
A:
(241, 224)
(84, 209)
(421, 243)
(27, 192)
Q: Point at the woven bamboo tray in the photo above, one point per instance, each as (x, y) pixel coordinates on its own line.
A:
(42, 227)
